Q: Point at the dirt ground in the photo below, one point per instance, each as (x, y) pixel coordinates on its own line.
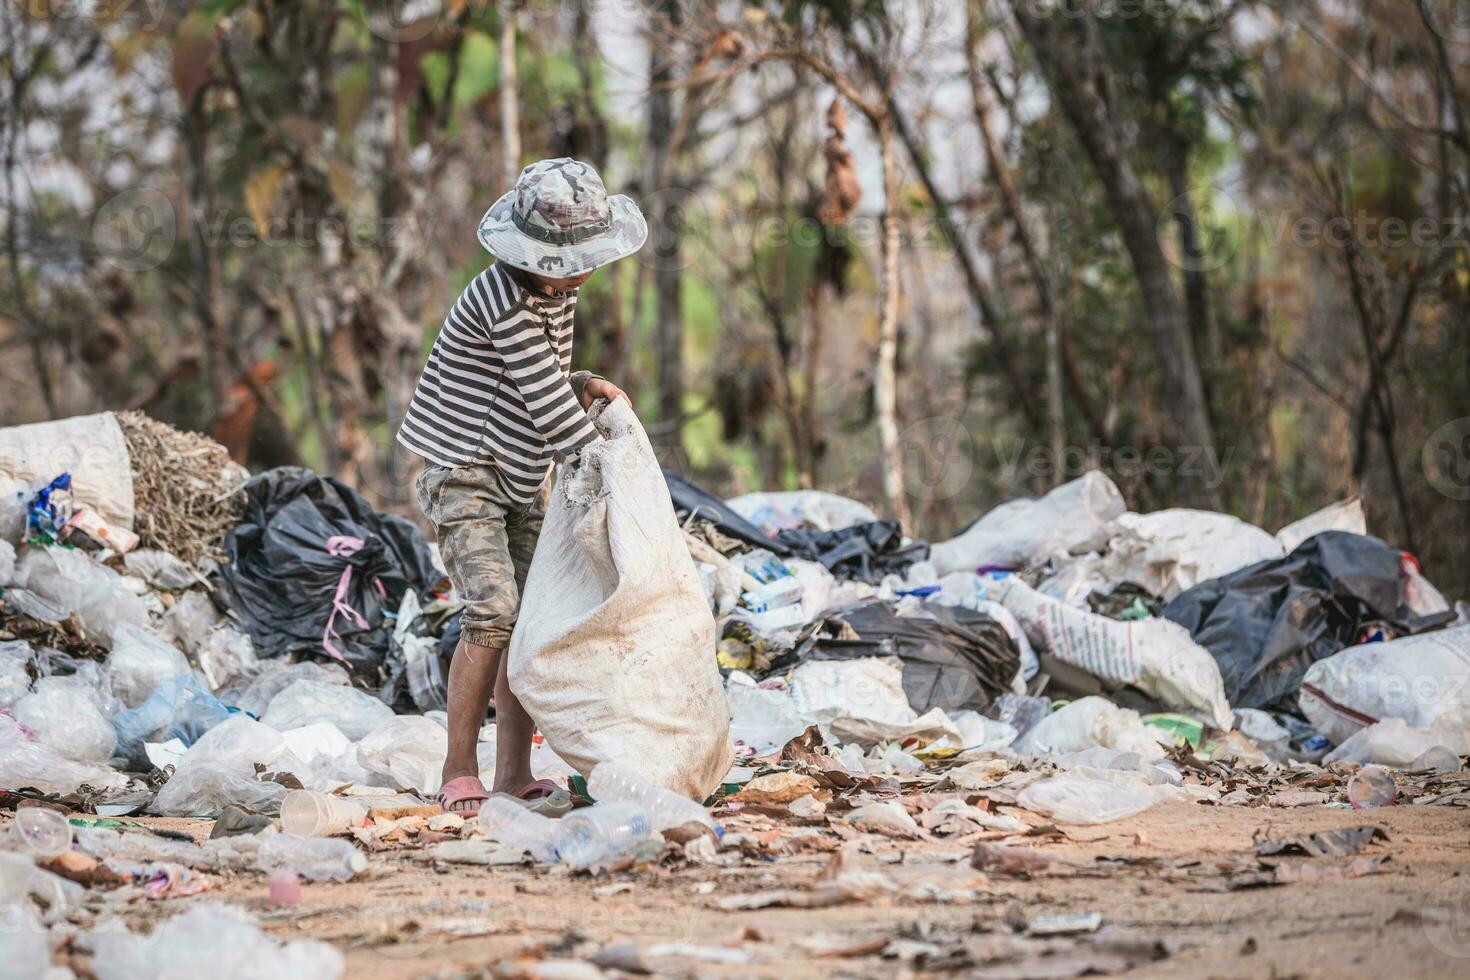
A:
(1153, 878)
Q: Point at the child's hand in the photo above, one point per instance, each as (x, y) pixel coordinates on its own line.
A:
(601, 388)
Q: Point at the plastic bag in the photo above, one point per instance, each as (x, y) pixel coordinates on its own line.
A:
(613, 651)
(83, 588)
(953, 657)
(139, 661)
(179, 707)
(227, 654)
(407, 751)
(189, 620)
(209, 939)
(761, 720)
(818, 510)
(25, 761)
(219, 769)
(24, 950)
(15, 679)
(67, 715)
(7, 563)
(275, 676)
(1393, 742)
(1019, 533)
(1267, 623)
(1072, 798)
(864, 701)
(89, 447)
(1424, 680)
(1157, 656)
(1087, 723)
(306, 538)
(306, 702)
(866, 552)
(160, 569)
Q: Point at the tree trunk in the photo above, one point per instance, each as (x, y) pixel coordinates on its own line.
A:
(510, 96)
(1072, 71)
(667, 232)
(885, 376)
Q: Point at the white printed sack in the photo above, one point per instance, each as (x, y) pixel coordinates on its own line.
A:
(613, 653)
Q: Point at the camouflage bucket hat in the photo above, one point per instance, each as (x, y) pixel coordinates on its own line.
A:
(559, 221)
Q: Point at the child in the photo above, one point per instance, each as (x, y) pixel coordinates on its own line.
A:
(494, 404)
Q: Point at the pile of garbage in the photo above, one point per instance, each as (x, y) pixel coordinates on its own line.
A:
(274, 655)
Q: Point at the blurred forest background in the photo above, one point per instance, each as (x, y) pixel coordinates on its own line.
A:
(929, 253)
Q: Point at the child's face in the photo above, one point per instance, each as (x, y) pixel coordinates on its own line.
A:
(564, 285)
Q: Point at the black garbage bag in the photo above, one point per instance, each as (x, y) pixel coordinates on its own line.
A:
(690, 498)
(1268, 622)
(864, 551)
(306, 538)
(953, 657)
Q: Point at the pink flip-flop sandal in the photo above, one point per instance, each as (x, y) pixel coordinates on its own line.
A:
(465, 789)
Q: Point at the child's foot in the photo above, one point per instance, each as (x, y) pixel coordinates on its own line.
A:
(463, 796)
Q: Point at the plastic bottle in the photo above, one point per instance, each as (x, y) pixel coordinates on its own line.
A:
(305, 813)
(42, 832)
(593, 833)
(316, 858)
(612, 783)
(510, 823)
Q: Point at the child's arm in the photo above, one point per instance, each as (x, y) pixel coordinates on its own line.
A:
(532, 366)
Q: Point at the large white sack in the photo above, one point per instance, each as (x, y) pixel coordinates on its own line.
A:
(1425, 680)
(613, 653)
(1155, 655)
(1346, 515)
(1170, 551)
(1018, 533)
(89, 447)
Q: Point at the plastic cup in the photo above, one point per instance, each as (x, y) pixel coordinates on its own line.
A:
(306, 813)
(1371, 786)
(284, 887)
(1437, 758)
(42, 832)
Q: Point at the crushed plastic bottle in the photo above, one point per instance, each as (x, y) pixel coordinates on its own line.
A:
(612, 783)
(314, 858)
(596, 833)
(511, 823)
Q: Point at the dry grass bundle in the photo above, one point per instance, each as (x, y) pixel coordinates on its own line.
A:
(186, 489)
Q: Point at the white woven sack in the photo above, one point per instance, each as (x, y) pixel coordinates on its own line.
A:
(613, 653)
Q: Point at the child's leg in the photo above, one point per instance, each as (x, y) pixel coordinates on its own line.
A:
(513, 731)
(472, 677)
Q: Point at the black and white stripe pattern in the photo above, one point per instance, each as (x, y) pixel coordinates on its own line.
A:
(497, 388)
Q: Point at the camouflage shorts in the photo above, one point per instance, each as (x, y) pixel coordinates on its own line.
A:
(486, 543)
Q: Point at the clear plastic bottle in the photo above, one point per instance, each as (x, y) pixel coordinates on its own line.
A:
(315, 858)
(510, 823)
(612, 783)
(593, 833)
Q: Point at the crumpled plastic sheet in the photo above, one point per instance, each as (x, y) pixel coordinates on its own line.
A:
(196, 942)
(26, 762)
(274, 676)
(866, 552)
(81, 587)
(139, 660)
(1085, 799)
(15, 679)
(67, 715)
(818, 510)
(407, 751)
(305, 702)
(1090, 722)
(220, 769)
(160, 569)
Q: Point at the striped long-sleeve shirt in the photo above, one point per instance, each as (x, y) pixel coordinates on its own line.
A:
(497, 387)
